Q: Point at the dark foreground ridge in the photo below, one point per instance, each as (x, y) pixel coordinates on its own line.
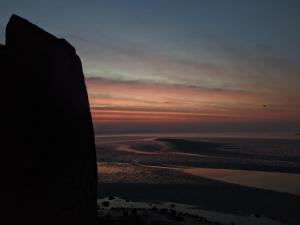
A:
(48, 154)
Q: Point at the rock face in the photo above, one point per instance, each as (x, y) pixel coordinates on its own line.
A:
(48, 159)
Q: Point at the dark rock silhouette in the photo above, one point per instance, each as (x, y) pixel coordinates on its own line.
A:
(48, 158)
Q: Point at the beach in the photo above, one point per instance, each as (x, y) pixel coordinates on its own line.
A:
(236, 176)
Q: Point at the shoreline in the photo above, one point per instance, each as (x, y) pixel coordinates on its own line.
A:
(268, 180)
(212, 196)
(174, 213)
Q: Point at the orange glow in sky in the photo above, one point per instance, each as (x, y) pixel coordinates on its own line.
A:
(117, 102)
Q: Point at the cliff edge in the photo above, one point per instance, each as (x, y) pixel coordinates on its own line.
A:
(48, 154)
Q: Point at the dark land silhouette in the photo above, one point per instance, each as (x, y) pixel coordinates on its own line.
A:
(48, 154)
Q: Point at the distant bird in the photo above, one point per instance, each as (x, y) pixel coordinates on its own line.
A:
(264, 106)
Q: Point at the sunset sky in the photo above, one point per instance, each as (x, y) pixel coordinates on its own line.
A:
(170, 65)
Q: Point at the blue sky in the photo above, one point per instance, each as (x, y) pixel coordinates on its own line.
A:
(261, 23)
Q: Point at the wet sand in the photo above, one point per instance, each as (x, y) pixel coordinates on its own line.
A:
(162, 213)
(213, 196)
(275, 181)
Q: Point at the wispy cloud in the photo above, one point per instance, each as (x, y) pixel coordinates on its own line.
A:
(229, 67)
(115, 101)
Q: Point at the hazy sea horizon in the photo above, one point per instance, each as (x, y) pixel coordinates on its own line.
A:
(258, 135)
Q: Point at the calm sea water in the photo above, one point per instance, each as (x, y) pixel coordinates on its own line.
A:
(150, 159)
